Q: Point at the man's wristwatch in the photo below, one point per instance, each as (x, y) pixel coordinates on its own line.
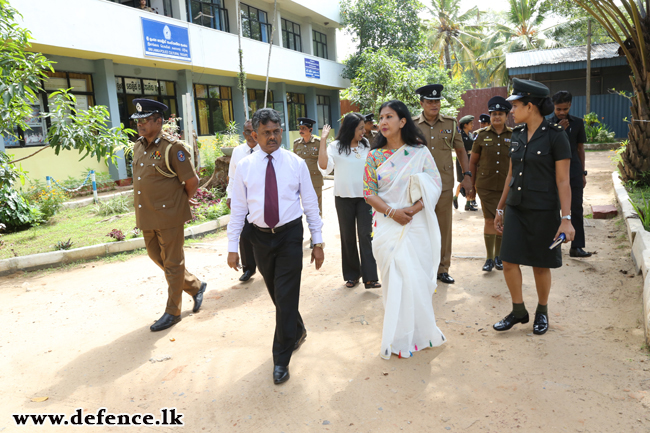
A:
(584, 172)
(467, 173)
(567, 217)
(320, 245)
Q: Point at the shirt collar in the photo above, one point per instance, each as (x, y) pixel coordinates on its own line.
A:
(423, 119)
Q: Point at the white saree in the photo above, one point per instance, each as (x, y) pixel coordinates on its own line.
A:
(408, 256)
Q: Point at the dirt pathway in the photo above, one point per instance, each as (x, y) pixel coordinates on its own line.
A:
(81, 338)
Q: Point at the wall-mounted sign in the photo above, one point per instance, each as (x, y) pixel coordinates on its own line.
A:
(312, 68)
(165, 40)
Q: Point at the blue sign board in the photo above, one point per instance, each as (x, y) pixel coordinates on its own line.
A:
(166, 40)
(312, 68)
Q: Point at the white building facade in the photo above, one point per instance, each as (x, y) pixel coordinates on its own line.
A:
(111, 52)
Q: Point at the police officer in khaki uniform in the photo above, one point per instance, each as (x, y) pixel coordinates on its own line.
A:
(442, 136)
(307, 147)
(163, 182)
(369, 124)
(489, 165)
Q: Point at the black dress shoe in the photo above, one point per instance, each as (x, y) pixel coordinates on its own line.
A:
(300, 340)
(471, 206)
(246, 276)
(166, 321)
(280, 374)
(198, 298)
(578, 252)
(446, 278)
(509, 321)
(498, 264)
(540, 325)
(489, 265)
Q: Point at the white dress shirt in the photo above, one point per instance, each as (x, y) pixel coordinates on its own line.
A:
(348, 178)
(238, 153)
(293, 183)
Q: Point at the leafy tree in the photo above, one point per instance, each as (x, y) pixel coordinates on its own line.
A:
(21, 72)
(628, 23)
(21, 75)
(390, 24)
(383, 76)
(573, 31)
(451, 34)
(522, 31)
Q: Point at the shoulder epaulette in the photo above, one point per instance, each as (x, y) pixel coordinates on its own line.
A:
(518, 127)
(297, 140)
(556, 126)
(316, 137)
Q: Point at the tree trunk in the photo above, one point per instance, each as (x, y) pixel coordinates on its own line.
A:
(447, 58)
(635, 165)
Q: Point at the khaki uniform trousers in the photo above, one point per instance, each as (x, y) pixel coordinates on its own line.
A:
(165, 248)
(444, 214)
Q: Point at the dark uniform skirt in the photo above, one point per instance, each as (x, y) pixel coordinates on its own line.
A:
(489, 202)
(459, 170)
(527, 234)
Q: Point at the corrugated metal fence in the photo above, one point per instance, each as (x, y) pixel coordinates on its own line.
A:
(611, 110)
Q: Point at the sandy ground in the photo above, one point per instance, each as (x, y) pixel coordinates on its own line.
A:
(81, 338)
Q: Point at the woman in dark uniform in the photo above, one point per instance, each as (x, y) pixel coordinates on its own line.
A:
(466, 124)
(488, 164)
(537, 194)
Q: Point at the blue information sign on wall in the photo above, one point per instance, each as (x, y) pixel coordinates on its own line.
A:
(166, 40)
(312, 68)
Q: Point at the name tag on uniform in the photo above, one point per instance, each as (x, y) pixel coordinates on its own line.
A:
(487, 139)
(514, 143)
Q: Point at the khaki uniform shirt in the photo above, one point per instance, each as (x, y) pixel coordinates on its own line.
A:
(309, 152)
(160, 202)
(439, 135)
(370, 136)
(494, 162)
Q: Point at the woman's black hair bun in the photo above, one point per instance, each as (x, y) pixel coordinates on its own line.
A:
(546, 106)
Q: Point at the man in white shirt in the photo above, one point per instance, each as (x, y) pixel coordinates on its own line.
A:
(267, 191)
(245, 246)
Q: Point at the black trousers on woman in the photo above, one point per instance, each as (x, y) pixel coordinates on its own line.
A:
(279, 260)
(355, 217)
(576, 216)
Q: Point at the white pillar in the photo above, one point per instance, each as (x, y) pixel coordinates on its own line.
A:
(306, 36)
(277, 35)
(179, 10)
(331, 43)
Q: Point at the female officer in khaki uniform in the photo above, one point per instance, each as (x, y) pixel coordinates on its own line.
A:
(489, 166)
(307, 147)
(537, 192)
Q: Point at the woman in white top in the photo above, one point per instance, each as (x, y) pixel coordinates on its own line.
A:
(348, 154)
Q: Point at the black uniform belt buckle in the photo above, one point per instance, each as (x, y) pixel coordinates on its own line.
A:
(275, 230)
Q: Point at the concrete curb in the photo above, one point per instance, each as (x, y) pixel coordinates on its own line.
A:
(640, 241)
(89, 201)
(55, 258)
(602, 146)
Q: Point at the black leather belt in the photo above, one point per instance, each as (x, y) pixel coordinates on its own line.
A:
(281, 228)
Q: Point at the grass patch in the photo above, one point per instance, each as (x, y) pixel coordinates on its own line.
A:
(80, 225)
(589, 216)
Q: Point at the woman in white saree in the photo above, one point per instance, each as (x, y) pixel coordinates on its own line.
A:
(402, 184)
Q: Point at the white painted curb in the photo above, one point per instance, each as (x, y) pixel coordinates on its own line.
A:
(640, 241)
(42, 260)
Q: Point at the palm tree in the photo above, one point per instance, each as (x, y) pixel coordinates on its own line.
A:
(521, 32)
(452, 34)
(631, 19)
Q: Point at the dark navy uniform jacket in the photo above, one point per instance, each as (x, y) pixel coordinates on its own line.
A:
(577, 134)
(533, 184)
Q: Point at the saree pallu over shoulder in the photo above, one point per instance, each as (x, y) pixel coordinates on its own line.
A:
(408, 255)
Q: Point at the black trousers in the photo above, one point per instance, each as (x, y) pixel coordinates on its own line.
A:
(279, 259)
(577, 217)
(355, 217)
(246, 248)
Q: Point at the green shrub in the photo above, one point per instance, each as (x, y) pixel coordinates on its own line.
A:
(15, 211)
(211, 151)
(117, 235)
(597, 132)
(642, 210)
(49, 201)
(115, 206)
